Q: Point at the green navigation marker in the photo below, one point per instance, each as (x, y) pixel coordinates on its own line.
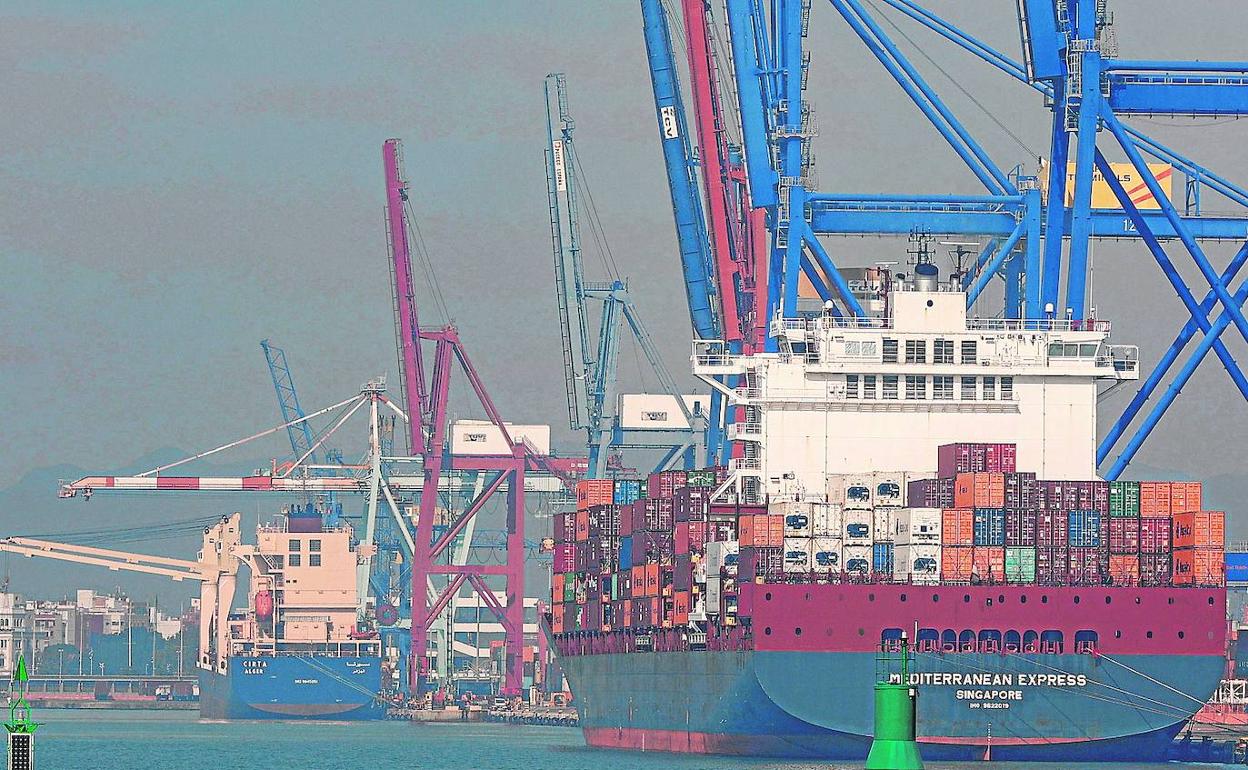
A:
(896, 704)
(20, 726)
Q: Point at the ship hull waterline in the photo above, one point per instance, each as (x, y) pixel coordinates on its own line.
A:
(294, 687)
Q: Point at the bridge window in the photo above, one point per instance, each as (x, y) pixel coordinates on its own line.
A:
(967, 393)
(942, 388)
(916, 388)
(1007, 388)
(1086, 642)
(970, 354)
(868, 386)
(314, 560)
(294, 545)
(295, 560)
(990, 389)
(889, 387)
(314, 545)
(942, 351)
(889, 351)
(851, 386)
(916, 351)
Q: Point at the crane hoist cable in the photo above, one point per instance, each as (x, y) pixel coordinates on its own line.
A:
(426, 264)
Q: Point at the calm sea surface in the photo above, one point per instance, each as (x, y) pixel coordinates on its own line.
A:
(130, 740)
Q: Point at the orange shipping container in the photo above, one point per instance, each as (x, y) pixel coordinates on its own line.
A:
(1185, 496)
(956, 563)
(1199, 566)
(627, 618)
(556, 589)
(745, 534)
(957, 526)
(680, 613)
(988, 564)
(557, 618)
(652, 579)
(638, 584)
(1199, 529)
(1155, 498)
(775, 530)
(1124, 570)
(979, 490)
(594, 492)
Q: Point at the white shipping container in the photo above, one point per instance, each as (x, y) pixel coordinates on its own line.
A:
(857, 527)
(482, 437)
(918, 525)
(797, 554)
(918, 563)
(658, 410)
(884, 522)
(857, 558)
(855, 490)
(712, 595)
(825, 554)
(798, 518)
(829, 520)
(889, 488)
(721, 556)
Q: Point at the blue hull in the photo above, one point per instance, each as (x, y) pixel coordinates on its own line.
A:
(818, 705)
(293, 687)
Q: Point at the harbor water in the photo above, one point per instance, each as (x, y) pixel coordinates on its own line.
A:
(133, 740)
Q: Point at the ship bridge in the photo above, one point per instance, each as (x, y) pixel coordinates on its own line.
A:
(850, 395)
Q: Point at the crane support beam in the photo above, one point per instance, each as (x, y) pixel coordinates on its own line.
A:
(748, 43)
(131, 563)
(678, 158)
(1174, 94)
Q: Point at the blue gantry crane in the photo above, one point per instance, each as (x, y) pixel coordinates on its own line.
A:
(589, 362)
(1033, 241)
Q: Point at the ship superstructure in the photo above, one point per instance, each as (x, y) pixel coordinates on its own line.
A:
(852, 395)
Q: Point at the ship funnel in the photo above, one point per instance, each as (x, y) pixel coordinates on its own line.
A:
(926, 277)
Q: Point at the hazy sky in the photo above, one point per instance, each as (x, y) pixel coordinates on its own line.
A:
(180, 180)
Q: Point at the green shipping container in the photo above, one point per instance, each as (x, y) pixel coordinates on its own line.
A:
(700, 479)
(1020, 565)
(1124, 499)
(569, 587)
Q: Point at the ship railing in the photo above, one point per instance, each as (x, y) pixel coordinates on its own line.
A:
(1037, 325)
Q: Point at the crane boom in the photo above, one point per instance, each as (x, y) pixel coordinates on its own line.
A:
(298, 430)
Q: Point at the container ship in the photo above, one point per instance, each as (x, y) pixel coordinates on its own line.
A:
(912, 473)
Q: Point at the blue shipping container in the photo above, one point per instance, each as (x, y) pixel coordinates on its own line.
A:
(989, 527)
(882, 557)
(1237, 569)
(1085, 528)
(627, 491)
(626, 551)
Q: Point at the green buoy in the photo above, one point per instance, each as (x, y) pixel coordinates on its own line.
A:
(896, 704)
(20, 726)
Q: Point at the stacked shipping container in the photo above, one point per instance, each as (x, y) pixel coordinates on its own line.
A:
(658, 552)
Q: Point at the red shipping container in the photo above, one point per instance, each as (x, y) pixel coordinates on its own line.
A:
(565, 558)
(1020, 528)
(1155, 569)
(698, 536)
(1000, 458)
(691, 504)
(582, 524)
(956, 563)
(957, 526)
(1084, 568)
(556, 617)
(1155, 498)
(556, 587)
(680, 608)
(1052, 529)
(1052, 565)
(664, 483)
(988, 564)
(1155, 535)
(1124, 536)
(1124, 570)
(1200, 529)
(952, 459)
(565, 527)
(652, 579)
(681, 538)
(1100, 497)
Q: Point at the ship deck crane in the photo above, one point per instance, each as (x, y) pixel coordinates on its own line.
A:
(590, 366)
(216, 569)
